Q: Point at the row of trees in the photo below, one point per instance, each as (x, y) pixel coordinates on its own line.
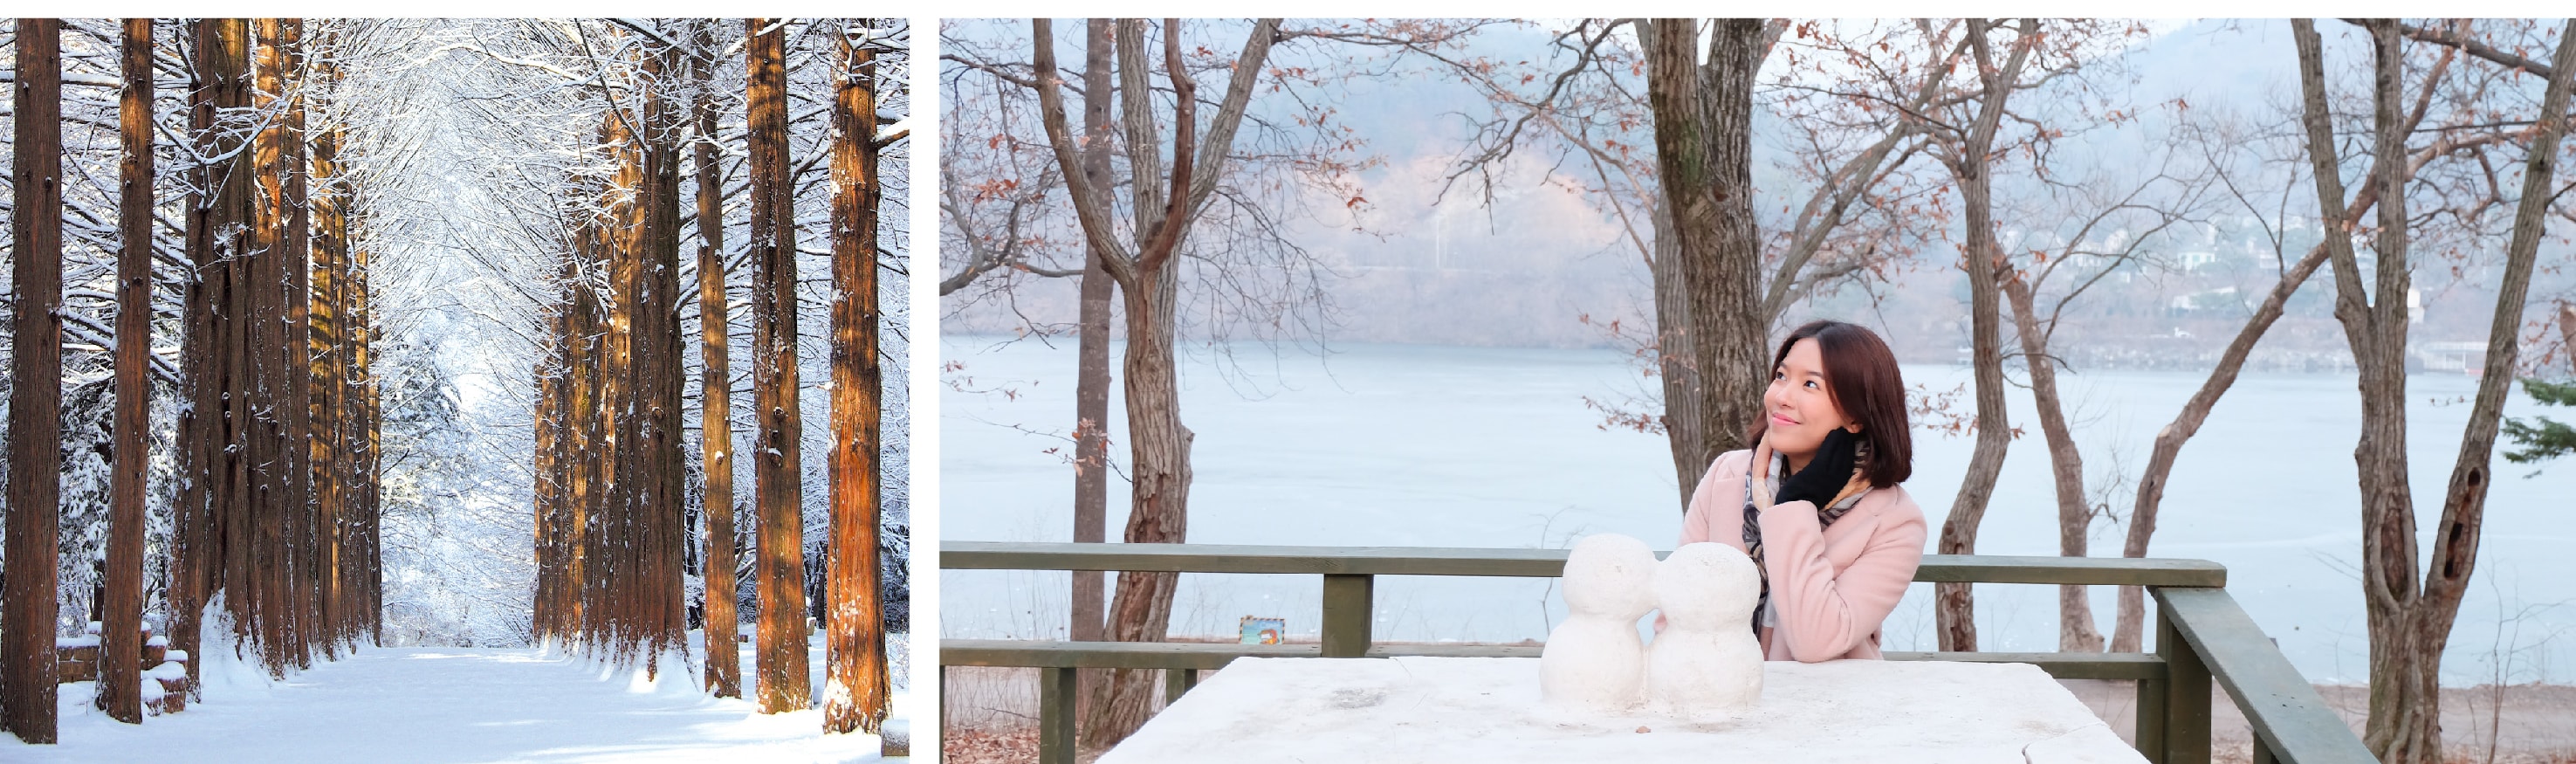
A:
(611, 504)
(274, 460)
(1905, 135)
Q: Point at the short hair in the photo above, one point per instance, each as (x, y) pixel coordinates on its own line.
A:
(1863, 380)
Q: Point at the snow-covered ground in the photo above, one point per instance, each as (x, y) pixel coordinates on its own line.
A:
(458, 705)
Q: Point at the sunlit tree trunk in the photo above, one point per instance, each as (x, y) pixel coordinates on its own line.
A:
(121, 627)
(329, 373)
(27, 604)
(776, 487)
(723, 623)
(857, 692)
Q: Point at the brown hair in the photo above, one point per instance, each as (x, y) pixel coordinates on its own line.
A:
(1862, 378)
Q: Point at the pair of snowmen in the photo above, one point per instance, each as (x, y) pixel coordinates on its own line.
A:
(1705, 662)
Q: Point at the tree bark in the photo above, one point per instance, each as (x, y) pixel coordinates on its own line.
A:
(1955, 605)
(1685, 427)
(723, 624)
(2075, 629)
(657, 485)
(303, 590)
(121, 626)
(1703, 144)
(1091, 385)
(856, 696)
(27, 604)
(329, 374)
(781, 653)
(1091, 368)
(200, 454)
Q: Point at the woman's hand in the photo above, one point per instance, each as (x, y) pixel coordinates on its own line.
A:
(1824, 475)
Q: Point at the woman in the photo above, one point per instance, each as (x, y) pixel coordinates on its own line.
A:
(1833, 421)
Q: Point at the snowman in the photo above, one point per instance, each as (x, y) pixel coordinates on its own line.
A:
(1594, 662)
(1705, 663)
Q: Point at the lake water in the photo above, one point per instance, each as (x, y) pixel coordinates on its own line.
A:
(1393, 445)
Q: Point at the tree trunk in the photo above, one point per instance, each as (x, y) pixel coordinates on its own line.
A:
(724, 652)
(197, 542)
(328, 452)
(1091, 368)
(27, 604)
(856, 696)
(783, 684)
(2567, 333)
(662, 623)
(1160, 450)
(1684, 426)
(120, 652)
(1703, 145)
(1955, 605)
(2075, 629)
(295, 376)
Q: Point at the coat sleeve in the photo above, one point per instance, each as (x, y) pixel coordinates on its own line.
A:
(1826, 613)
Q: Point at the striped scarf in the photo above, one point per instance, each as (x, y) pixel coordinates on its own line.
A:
(1756, 501)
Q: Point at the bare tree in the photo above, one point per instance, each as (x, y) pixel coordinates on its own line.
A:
(2410, 618)
(1164, 210)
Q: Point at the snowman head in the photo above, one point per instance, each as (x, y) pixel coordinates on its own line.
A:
(1707, 586)
(1610, 575)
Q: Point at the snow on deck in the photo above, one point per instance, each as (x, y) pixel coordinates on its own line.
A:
(428, 704)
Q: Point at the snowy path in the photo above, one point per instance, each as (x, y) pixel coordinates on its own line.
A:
(400, 705)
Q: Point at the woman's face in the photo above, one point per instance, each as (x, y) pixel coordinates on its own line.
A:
(1800, 406)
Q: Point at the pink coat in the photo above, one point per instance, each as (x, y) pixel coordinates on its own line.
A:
(1831, 586)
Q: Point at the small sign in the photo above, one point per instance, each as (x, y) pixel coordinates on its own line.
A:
(1264, 631)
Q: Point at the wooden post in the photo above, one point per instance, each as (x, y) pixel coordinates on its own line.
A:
(2186, 728)
(27, 604)
(1348, 605)
(1055, 715)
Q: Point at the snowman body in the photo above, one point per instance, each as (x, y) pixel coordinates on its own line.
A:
(1594, 662)
(1706, 662)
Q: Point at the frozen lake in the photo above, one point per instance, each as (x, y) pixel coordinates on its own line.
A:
(1392, 445)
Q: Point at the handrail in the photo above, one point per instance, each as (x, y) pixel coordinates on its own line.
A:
(2201, 634)
(2288, 716)
(1529, 563)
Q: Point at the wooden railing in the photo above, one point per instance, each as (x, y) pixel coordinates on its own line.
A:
(2200, 634)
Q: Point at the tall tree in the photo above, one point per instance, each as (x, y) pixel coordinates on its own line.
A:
(777, 489)
(1704, 152)
(1091, 365)
(209, 543)
(121, 626)
(724, 652)
(1164, 207)
(1969, 157)
(854, 644)
(27, 604)
(2410, 617)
